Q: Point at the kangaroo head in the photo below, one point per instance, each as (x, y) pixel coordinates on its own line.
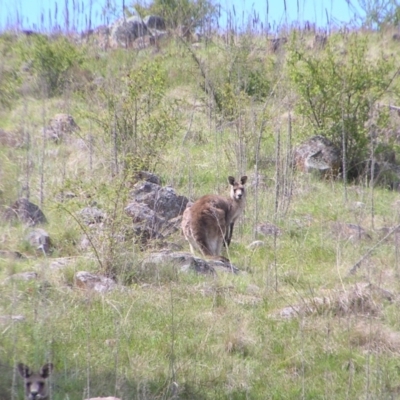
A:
(36, 387)
(237, 188)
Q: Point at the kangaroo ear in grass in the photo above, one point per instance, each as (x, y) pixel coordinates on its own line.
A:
(46, 370)
(24, 370)
(36, 384)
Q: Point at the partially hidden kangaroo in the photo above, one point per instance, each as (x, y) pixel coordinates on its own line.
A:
(36, 384)
(208, 224)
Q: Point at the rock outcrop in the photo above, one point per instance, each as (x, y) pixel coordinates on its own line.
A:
(26, 212)
(318, 154)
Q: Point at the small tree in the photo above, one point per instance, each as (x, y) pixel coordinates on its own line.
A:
(138, 121)
(51, 60)
(189, 13)
(379, 13)
(338, 89)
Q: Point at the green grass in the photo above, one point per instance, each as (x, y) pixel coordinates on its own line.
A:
(216, 337)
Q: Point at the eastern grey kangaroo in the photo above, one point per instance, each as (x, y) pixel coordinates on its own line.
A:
(208, 224)
(36, 384)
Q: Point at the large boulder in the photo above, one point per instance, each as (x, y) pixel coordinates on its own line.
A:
(125, 31)
(155, 22)
(318, 154)
(163, 200)
(25, 211)
(155, 210)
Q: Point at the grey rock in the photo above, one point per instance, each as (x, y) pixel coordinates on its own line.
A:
(187, 262)
(59, 126)
(40, 240)
(11, 255)
(23, 276)
(155, 22)
(268, 229)
(92, 215)
(88, 281)
(155, 211)
(351, 232)
(318, 154)
(28, 213)
(162, 200)
(125, 31)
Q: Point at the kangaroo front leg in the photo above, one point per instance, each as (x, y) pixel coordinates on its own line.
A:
(228, 236)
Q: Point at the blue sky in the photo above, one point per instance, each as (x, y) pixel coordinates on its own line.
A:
(42, 14)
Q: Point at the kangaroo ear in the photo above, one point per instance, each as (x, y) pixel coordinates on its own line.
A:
(243, 179)
(24, 370)
(45, 371)
(231, 180)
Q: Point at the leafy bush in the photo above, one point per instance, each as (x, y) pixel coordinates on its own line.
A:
(51, 60)
(10, 78)
(142, 122)
(188, 13)
(338, 90)
(9, 82)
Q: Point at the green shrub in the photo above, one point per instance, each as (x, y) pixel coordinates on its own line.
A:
(51, 60)
(140, 119)
(188, 13)
(338, 89)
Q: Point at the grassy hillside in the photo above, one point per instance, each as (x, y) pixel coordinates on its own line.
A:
(295, 323)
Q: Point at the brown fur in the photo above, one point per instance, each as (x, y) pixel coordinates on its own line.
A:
(36, 384)
(208, 224)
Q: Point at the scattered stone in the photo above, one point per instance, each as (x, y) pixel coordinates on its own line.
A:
(187, 262)
(61, 197)
(374, 337)
(289, 312)
(92, 215)
(318, 154)
(357, 205)
(256, 244)
(60, 263)
(59, 126)
(252, 289)
(351, 232)
(257, 180)
(11, 255)
(148, 177)
(362, 299)
(40, 240)
(88, 281)
(103, 398)
(9, 139)
(4, 319)
(395, 236)
(268, 229)
(28, 213)
(396, 37)
(23, 276)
